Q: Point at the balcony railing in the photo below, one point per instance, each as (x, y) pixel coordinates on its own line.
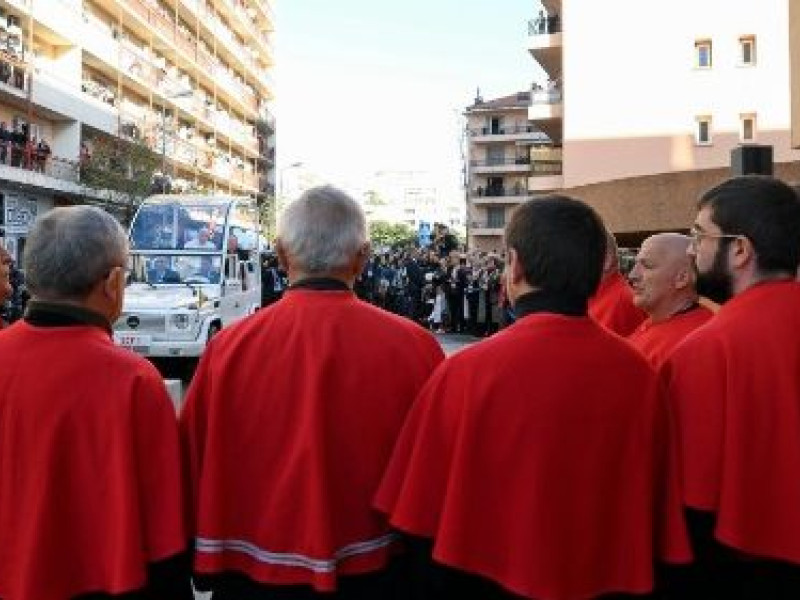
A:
(500, 192)
(551, 96)
(547, 167)
(544, 25)
(510, 130)
(499, 162)
(490, 224)
(13, 71)
(26, 157)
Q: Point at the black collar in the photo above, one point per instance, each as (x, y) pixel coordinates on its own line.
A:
(320, 284)
(551, 302)
(56, 314)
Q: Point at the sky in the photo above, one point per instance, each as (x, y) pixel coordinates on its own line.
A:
(370, 85)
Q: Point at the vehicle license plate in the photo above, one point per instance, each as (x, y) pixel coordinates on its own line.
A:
(133, 341)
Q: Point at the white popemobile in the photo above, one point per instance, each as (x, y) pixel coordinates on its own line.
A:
(194, 268)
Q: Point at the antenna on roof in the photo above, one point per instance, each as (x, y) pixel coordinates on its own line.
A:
(478, 98)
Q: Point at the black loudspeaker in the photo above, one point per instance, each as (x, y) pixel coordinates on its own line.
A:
(751, 159)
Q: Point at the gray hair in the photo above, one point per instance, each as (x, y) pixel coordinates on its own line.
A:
(70, 249)
(323, 230)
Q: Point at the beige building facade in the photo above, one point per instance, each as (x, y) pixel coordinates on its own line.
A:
(190, 79)
(499, 139)
(646, 102)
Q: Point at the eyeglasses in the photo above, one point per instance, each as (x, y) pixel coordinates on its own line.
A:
(696, 235)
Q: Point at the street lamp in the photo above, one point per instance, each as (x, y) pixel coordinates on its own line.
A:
(295, 165)
(181, 94)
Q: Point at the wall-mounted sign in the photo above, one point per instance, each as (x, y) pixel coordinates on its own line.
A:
(20, 213)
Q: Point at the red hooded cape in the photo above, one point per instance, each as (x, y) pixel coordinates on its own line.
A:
(612, 306)
(90, 477)
(288, 426)
(656, 341)
(541, 459)
(735, 386)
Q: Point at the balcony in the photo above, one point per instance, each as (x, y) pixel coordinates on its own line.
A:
(499, 195)
(520, 164)
(486, 229)
(545, 43)
(546, 175)
(511, 133)
(20, 164)
(546, 105)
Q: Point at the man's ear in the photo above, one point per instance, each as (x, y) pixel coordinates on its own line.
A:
(742, 252)
(516, 272)
(683, 278)
(280, 251)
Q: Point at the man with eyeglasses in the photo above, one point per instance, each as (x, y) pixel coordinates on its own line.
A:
(91, 499)
(735, 387)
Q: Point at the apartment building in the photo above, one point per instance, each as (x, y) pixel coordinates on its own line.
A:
(188, 78)
(500, 143)
(645, 102)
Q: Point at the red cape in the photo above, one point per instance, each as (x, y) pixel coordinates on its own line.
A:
(612, 306)
(735, 385)
(90, 477)
(656, 341)
(541, 459)
(288, 426)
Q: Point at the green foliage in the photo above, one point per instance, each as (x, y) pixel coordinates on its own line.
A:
(382, 234)
(122, 166)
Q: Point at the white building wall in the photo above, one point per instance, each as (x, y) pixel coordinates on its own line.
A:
(632, 92)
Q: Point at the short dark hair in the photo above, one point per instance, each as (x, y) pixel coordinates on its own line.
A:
(561, 243)
(766, 211)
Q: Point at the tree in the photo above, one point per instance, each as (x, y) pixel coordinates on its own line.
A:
(120, 168)
(383, 234)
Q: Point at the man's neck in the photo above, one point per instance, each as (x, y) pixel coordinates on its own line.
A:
(674, 307)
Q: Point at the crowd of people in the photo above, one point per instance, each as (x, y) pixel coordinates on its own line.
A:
(623, 438)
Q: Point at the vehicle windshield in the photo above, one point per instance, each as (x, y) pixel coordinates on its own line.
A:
(177, 226)
(175, 268)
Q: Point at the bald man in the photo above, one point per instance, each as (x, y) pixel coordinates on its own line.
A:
(663, 286)
(612, 305)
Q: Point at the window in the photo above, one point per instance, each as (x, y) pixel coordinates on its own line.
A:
(747, 50)
(747, 130)
(496, 217)
(702, 51)
(703, 131)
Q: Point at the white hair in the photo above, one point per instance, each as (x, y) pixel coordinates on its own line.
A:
(323, 230)
(70, 249)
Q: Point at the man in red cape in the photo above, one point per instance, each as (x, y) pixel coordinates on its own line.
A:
(612, 304)
(735, 388)
(539, 463)
(91, 503)
(662, 280)
(291, 419)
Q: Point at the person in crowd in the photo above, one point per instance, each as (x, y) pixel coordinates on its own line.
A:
(6, 288)
(42, 153)
(457, 272)
(735, 388)
(207, 270)
(272, 281)
(529, 467)
(663, 284)
(91, 497)
(161, 273)
(5, 143)
(202, 241)
(285, 457)
(612, 305)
